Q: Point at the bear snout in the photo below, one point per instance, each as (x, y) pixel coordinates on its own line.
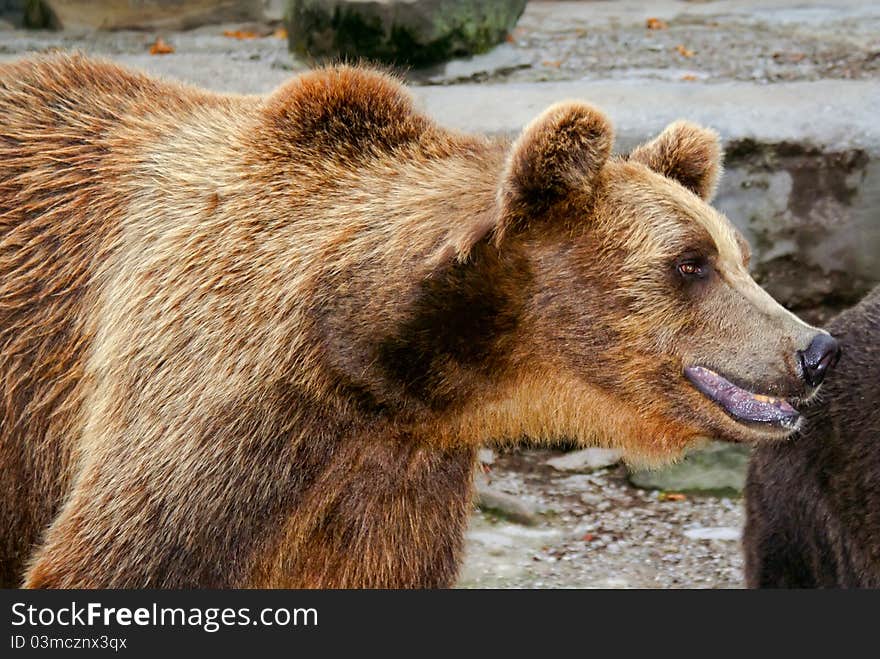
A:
(819, 358)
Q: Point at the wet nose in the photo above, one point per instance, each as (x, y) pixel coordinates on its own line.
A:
(819, 357)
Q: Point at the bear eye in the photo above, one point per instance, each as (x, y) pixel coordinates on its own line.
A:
(692, 269)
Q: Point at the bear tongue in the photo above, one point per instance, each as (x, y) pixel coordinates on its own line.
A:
(737, 401)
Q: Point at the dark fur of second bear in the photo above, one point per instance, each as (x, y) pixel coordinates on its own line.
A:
(813, 504)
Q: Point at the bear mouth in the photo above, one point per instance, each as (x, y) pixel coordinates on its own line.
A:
(744, 406)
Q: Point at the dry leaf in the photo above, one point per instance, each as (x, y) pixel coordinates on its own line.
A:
(684, 52)
(794, 58)
(672, 496)
(588, 537)
(280, 33)
(689, 77)
(556, 63)
(240, 34)
(160, 47)
(656, 24)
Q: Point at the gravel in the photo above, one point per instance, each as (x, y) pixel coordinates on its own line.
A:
(715, 41)
(597, 531)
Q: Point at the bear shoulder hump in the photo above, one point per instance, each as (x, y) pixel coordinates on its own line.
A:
(346, 109)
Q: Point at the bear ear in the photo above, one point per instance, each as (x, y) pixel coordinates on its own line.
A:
(559, 152)
(686, 153)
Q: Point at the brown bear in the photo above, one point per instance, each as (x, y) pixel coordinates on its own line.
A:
(813, 504)
(256, 341)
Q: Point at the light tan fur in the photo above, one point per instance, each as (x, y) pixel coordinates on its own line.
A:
(255, 341)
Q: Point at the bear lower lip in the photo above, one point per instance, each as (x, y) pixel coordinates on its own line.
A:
(739, 403)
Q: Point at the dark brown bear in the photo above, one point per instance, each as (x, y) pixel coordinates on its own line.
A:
(813, 504)
(256, 341)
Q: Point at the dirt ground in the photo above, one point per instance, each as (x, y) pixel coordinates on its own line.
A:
(595, 530)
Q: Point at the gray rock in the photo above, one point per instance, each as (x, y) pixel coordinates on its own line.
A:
(486, 456)
(412, 32)
(720, 468)
(273, 10)
(157, 14)
(588, 459)
(12, 11)
(811, 217)
(505, 505)
(476, 68)
(713, 533)
(23, 13)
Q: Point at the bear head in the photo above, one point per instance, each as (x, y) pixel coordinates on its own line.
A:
(641, 306)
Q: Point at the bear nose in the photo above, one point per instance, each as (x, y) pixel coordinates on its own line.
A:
(819, 357)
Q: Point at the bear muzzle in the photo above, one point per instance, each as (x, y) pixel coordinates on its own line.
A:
(742, 405)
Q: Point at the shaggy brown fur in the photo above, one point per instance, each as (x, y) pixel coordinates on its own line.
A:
(255, 341)
(813, 504)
